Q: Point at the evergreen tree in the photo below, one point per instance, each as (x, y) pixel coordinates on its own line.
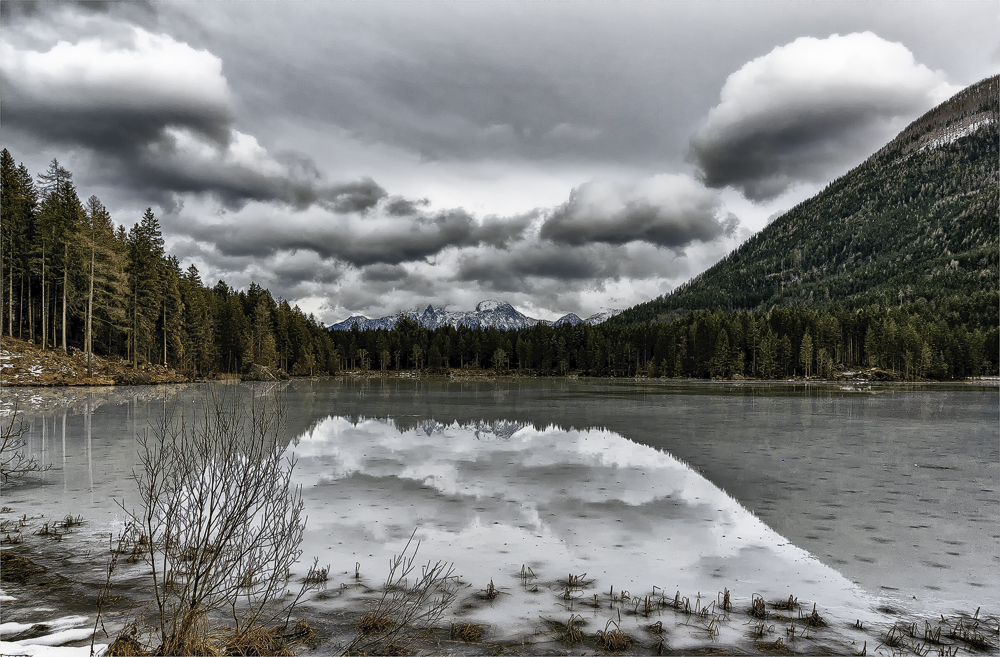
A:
(146, 278)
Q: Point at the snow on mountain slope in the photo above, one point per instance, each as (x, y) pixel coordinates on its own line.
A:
(490, 313)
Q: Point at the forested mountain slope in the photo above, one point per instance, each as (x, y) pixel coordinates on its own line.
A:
(914, 227)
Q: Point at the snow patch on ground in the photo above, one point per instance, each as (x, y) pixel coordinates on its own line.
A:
(15, 648)
(956, 132)
(60, 631)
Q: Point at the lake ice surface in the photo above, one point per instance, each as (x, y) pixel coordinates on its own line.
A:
(851, 499)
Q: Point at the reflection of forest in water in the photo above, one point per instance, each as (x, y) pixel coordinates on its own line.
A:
(481, 429)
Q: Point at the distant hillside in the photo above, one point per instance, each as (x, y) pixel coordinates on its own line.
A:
(916, 225)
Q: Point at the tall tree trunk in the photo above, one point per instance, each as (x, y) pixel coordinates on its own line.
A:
(65, 284)
(44, 309)
(10, 302)
(135, 326)
(31, 315)
(164, 332)
(89, 346)
(1, 282)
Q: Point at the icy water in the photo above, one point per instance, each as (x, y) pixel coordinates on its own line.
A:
(876, 504)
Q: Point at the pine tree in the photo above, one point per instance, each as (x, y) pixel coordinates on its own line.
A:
(60, 217)
(107, 285)
(146, 278)
(806, 353)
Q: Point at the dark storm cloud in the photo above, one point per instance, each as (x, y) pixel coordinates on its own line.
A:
(288, 273)
(355, 197)
(409, 286)
(518, 268)
(157, 115)
(13, 10)
(401, 207)
(667, 210)
(359, 240)
(806, 110)
(383, 273)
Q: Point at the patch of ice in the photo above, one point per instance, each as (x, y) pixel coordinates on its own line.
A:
(60, 638)
(4, 597)
(16, 648)
(6, 629)
(57, 625)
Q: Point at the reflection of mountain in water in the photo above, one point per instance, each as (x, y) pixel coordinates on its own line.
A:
(482, 429)
(493, 429)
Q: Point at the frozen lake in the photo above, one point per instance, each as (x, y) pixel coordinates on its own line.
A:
(875, 504)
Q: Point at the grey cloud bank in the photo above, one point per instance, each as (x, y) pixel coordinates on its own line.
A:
(668, 210)
(329, 150)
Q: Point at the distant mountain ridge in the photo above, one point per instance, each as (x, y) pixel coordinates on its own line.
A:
(498, 314)
(915, 225)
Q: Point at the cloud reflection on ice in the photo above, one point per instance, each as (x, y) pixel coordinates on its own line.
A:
(494, 496)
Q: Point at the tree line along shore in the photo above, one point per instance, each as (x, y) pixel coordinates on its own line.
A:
(74, 281)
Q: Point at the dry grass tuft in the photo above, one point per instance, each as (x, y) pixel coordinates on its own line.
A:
(969, 634)
(317, 576)
(127, 644)
(254, 640)
(569, 632)
(257, 640)
(814, 619)
(757, 607)
(372, 624)
(491, 592)
(786, 605)
(468, 632)
(613, 639)
(778, 645)
(17, 569)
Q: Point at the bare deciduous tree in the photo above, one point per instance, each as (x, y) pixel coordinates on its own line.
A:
(221, 520)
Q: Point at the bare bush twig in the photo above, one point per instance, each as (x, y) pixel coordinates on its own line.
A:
(406, 611)
(222, 518)
(15, 461)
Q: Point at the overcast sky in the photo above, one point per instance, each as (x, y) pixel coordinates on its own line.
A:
(366, 157)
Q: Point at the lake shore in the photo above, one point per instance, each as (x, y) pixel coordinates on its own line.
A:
(24, 364)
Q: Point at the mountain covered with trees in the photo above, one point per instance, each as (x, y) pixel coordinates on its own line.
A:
(913, 227)
(891, 269)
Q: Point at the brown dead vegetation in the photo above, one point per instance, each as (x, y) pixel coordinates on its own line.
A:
(16, 568)
(26, 364)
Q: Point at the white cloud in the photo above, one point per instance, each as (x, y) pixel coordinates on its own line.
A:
(809, 108)
(145, 73)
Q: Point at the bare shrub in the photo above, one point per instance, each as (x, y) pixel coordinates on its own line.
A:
(15, 461)
(406, 611)
(223, 520)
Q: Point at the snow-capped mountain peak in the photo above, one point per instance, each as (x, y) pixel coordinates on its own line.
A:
(490, 313)
(484, 306)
